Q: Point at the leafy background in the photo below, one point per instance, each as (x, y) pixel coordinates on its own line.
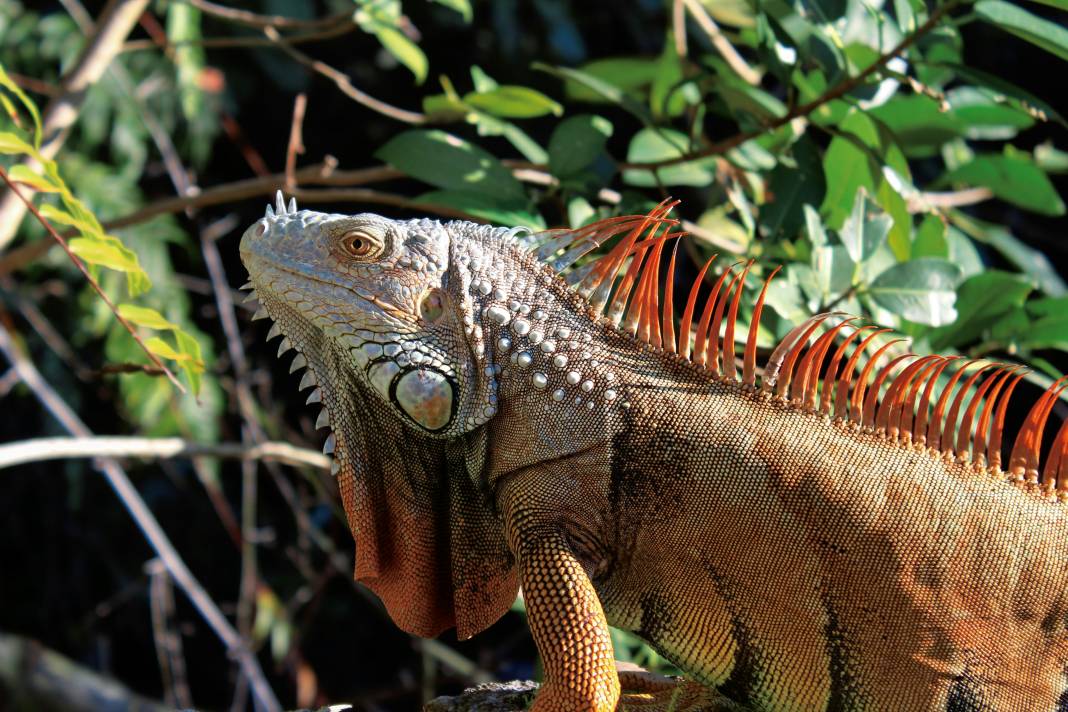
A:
(902, 160)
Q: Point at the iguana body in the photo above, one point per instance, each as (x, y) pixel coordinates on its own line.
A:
(495, 427)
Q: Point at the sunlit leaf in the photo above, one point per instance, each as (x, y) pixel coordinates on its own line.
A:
(981, 300)
(406, 51)
(11, 143)
(921, 290)
(514, 102)
(865, 229)
(146, 317)
(24, 174)
(1011, 178)
(111, 253)
(650, 145)
(461, 6)
(1050, 36)
(447, 161)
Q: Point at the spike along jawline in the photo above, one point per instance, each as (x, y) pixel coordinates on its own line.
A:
(624, 286)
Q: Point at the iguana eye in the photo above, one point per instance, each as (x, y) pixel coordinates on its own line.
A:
(358, 244)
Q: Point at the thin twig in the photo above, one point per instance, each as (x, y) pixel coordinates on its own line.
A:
(721, 43)
(168, 643)
(296, 140)
(142, 515)
(242, 42)
(343, 83)
(923, 202)
(92, 282)
(678, 24)
(835, 92)
(252, 19)
(112, 446)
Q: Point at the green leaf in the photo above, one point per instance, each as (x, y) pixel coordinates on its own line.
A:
(1006, 92)
(31, 107)
(481, 80)
(449, 162)
(814, 226)
(930, 240)
(984, 115)
(921, 290)
(855, 159)
(23, 174)
(500, 212)
(791, 190)
(1027, 259)
(514, 102)
(962, 252)
(576, 142)
(605, 90)
(492, 126)
(1013, 179)
(658, 145)
(10, 143)
(461, 6)
(865, 229)
(146, 317)
(1050, 158)
(111, 253)
(58, 215)
(609, 79)
(191, 362)
(667, 96)
(918, 123)
(406, 51)
(834, 269)
(1050, 36)
(161, 348)
(981, 300)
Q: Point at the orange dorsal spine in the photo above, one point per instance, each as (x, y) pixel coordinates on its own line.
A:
(907, 401)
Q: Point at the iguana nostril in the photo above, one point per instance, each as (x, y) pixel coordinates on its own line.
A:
(260, 229)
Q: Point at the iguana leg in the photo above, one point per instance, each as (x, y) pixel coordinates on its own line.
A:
(568, 626)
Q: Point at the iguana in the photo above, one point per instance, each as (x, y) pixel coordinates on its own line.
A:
(508, 410)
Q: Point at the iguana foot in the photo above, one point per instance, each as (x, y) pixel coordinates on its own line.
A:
(644, 691)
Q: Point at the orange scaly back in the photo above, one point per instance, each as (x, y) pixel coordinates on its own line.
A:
(904, 402)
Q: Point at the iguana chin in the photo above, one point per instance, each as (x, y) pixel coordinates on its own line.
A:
(825, 540)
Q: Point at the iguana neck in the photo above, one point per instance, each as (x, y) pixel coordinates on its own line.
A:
(561, 375)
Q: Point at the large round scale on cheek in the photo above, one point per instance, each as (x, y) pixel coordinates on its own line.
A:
(426, 396)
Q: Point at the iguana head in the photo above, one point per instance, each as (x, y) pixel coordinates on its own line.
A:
(383, 292)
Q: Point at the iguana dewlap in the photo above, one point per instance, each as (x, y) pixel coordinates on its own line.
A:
(827, 539)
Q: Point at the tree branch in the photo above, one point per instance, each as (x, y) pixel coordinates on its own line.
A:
(72, 448)
(252, 19)
(720, 42)
(342, 81)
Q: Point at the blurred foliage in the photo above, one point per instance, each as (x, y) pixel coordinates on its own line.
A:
(897, 158)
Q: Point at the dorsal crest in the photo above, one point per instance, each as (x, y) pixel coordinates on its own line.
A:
(900, 396)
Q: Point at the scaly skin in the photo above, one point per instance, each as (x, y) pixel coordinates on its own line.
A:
(784, 560)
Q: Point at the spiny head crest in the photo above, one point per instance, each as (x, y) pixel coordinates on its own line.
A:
(377, 293)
